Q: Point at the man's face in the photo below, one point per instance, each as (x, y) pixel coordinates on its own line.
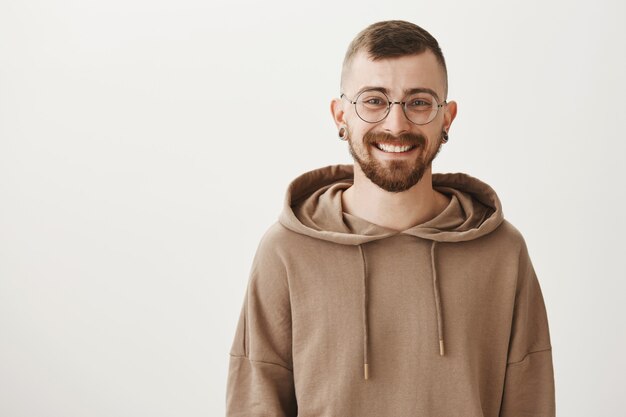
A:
(393, 172)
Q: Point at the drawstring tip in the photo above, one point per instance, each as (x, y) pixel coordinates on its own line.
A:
(366, 370)
(441, 348)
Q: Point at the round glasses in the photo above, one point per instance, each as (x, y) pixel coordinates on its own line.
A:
(372, 106)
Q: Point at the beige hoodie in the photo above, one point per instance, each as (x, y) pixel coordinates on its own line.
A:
(343, 317)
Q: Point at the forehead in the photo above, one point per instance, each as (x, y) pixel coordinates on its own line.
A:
(395, 74)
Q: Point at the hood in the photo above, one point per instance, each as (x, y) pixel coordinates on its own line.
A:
(313, 207)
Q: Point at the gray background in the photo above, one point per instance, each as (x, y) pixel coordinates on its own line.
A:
(145, 146)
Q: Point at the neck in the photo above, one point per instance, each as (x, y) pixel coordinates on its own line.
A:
(398, 211)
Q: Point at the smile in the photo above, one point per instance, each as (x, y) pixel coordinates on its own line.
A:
(393, 148)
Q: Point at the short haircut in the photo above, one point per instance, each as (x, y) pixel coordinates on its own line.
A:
(390, 39)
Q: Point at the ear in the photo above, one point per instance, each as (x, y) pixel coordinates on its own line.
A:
(336, 109)
(449, 115)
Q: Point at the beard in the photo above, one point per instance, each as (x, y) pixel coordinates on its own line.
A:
(393, 175)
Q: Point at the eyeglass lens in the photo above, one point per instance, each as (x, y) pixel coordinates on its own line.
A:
(373, 106)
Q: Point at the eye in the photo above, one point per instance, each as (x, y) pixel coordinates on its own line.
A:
(374, 101)
(418, 103)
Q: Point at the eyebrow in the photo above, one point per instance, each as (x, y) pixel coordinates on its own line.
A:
(406, 91)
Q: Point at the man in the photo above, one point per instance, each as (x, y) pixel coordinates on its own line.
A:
(384, 289)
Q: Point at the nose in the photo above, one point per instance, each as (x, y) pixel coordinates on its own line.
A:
(396, 122)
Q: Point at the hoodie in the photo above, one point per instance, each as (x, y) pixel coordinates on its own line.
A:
(342, 317)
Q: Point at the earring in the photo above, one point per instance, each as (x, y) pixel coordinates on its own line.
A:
(444, 138)
(343, 132)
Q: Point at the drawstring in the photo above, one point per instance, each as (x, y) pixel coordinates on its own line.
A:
(365, 305)
(365, 320)
(437, 298)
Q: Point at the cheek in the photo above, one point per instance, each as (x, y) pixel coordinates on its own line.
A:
(361, 132)
(434, 137)
(356, 136)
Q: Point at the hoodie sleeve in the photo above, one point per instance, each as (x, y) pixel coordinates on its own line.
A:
(529, 381)
(260, 375)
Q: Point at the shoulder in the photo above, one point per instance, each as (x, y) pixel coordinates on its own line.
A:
(268, 272)
(278, 243)
(509, 235)
(277, 238)
(518, 248)
(509, 241)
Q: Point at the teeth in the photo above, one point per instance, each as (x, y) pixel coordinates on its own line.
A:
(392, 148)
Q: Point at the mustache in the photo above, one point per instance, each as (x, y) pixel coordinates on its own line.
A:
(401, 140)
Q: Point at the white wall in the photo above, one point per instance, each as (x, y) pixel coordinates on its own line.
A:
(134, 187)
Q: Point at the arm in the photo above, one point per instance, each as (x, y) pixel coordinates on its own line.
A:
(529, 380)
(260, 376)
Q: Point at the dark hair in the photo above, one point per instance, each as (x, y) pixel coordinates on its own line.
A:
(393, 38)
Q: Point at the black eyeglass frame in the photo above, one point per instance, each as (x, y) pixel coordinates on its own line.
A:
(389, 104)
